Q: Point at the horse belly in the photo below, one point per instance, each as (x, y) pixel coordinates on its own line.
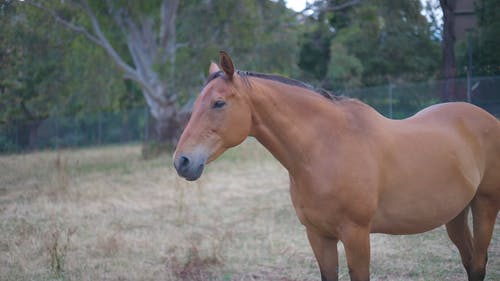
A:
(425, 200)
(411, 217)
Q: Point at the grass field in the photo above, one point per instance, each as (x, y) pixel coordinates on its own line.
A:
(106, 214)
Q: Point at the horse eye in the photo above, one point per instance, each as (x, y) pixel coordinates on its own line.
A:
(219, 104)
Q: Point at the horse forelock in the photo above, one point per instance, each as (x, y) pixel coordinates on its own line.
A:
(215, 75)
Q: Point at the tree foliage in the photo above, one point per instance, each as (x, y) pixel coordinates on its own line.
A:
(47, 70)
(162, 46)
(485, 41)
(260, 35)
(30, 69)
(368, 43)
(76, 57)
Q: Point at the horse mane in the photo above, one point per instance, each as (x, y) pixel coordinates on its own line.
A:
(277, 78)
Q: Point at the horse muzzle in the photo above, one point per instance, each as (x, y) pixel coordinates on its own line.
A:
(189, 167)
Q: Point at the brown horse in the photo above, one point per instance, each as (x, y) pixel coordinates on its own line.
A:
(352, 171)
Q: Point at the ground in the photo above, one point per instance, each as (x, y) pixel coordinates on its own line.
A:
(106, 214)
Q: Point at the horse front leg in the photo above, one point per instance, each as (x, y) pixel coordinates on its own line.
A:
(325, 251)
(356, 240)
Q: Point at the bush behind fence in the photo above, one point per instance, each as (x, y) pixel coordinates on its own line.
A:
(399, 101)
(76, 131)
(393, 100)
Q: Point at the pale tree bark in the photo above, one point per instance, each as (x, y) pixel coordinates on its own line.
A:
(342, 6)
(330, 6)
(148, 46)
(448, 50)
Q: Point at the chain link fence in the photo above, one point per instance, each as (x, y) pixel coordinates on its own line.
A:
(76, 131)
(393, 100)
(399, 101)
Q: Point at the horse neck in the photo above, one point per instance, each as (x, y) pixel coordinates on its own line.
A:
(288, 120)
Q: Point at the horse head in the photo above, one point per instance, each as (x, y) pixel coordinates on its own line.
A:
(221, 118)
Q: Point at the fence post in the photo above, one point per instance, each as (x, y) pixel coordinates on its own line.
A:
(146, 124)
(390, 99)
(16, 125)
(99, 128)
(57, 130)
(469, 68)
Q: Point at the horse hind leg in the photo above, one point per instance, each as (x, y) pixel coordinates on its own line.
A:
(484, 213)
(459, 233)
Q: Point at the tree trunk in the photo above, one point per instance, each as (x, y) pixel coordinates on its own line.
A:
(28, 134)
(448, 46)
(169, 119)
(167, 124)
(164, 131)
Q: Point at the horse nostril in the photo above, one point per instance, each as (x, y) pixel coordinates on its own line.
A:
(188, 167)
(183, 162)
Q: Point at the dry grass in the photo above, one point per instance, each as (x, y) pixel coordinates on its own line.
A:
(105, 214)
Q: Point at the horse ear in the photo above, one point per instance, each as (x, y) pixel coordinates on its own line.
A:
(227, 64)
(213, 68)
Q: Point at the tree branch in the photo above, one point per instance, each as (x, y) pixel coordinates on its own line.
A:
(5, 4)
(141, 54)
(334, 8)
(105, 43)
(117, 15)
(99, 38)
(66, 23)
(130, 30)
(167, 29)
(140, 43)
(343, 6)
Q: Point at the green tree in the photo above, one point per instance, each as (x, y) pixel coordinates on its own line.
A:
(390, 39)
(31, 72)
(486, 56)
(139, 37)
(47, 71)
(344, 70)
(260, 35)
(93, 83)
(315, 49)
(164, 46)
